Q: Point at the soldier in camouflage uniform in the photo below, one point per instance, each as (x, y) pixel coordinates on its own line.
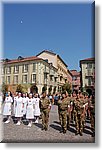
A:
(72, 106)
(63, 108)
(92, 113)
(69, 110)
(79, 110)
(45, 107)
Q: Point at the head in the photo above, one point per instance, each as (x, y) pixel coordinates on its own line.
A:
(19, 94)
(63, 95)
(24, 94)
(44, 94)
(9, 93)
(74, 94)
(30, 95)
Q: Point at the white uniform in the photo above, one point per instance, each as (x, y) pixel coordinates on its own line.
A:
(30, 109)
(19, 107)
(14, 105)
(1, 104)
(7, 105)
(36, 107)
(25, 104)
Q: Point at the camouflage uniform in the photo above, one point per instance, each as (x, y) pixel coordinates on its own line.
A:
(92, 119)
(45, 109)
(63, 107)
(68, 113)
(79, 109)
(72, 104)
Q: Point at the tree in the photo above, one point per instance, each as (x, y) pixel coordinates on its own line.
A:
(44, 88)
(67, 87)
(4, 88)
(19, 88)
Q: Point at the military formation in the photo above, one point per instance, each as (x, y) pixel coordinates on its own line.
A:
(74, 108)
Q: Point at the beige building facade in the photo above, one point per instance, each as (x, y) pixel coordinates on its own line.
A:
(88, 74)
(27, 72)
(58, 63)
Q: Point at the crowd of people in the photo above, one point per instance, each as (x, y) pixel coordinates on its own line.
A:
(73, 108)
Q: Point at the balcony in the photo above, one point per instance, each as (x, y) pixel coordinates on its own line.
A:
(90, 74)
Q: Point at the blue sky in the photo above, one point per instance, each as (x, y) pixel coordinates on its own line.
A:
(65, 29)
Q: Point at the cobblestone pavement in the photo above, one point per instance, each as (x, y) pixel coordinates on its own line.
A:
(23, 133)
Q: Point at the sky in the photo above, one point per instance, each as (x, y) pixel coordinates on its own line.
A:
(65, 29)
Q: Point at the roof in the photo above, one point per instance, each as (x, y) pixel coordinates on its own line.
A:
(88, 59)
(47, 51)
(75, 73)
(52, 53)
(22, 60)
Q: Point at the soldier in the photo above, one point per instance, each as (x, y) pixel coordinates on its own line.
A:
(69, 111)
(92, 115)
(45, 107)
(63, 108)
(79, 111)
(72, 107)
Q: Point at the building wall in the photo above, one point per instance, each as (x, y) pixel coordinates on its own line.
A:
(39, 71)
(51, 58)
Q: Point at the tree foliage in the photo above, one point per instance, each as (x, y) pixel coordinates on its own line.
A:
(67, 87)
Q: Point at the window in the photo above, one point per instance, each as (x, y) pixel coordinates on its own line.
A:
(16, 69)
(2, 70)
(45, 76)
(51, 79)
(34, 78)
(55, 79)
(34, 67)
(8, 70)
(24, 78)
(89, 66)
(16, 79)
(25, 68)
(89, 82)
(8, 79)
(74, 78)
(2, 79)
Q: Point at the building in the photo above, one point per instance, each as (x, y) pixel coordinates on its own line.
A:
(88, 75)
(33, 73)
(58, 63)
(69, 77)
(75, 80)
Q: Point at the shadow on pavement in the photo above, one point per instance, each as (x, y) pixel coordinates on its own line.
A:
(56, 122)
(55, 127)
(39, 125)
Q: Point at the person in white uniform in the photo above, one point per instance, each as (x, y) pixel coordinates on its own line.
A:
(7, 106)
(19, 108)
(1, 100)
(36, 108)
(14, 100)
(30, 109)
(24, 104)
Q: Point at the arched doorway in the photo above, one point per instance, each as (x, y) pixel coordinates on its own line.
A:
(89, 91)
(34, 89)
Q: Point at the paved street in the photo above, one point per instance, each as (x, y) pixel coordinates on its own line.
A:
(23, 133)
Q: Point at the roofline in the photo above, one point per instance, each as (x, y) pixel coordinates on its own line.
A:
(47, 51)
(62, 60)
(87, 60)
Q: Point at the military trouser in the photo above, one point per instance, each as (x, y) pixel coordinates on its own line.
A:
(79, 122)
(92, 122)
(63, 119)
(68, 118)
(45, 118)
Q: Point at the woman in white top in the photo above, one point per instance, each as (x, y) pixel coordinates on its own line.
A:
(24, 104)
(36, 108)
(30, 109)
(7, 106)
(14, 104)
(19, 108)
